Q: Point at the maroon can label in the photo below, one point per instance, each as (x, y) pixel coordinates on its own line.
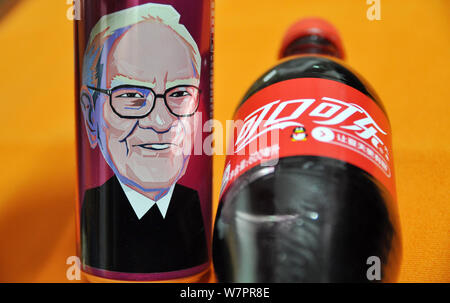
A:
(143, 84)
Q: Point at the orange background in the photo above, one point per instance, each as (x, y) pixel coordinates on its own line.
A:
(405, 56)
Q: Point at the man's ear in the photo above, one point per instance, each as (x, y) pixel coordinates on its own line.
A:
(87, 108)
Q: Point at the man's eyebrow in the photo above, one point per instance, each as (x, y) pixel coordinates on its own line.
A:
(187, 81)
(122, 80)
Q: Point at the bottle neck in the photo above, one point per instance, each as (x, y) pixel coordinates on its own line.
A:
(311, 44)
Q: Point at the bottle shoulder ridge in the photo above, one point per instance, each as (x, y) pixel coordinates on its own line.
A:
(313, 66)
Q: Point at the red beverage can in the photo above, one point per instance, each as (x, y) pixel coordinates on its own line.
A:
(143, 90)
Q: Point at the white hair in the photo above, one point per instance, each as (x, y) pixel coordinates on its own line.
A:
(164, 14)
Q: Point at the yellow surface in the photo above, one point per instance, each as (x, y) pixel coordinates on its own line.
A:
(405, 56)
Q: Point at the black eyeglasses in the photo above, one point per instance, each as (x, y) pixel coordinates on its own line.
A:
(135, 102)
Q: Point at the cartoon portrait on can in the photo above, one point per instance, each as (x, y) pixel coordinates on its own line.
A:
(139, 93)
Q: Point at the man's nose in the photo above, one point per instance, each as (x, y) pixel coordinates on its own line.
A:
(160, 118)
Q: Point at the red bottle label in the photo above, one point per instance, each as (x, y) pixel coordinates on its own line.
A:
(310, 117)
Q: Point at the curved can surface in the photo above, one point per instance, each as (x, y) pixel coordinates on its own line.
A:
(142, 94)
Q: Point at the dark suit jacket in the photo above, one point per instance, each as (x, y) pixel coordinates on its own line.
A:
(113, 238)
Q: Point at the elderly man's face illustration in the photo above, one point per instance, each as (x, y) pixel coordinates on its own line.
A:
(148, 113)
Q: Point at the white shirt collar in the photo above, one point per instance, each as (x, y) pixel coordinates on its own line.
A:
(141, 204)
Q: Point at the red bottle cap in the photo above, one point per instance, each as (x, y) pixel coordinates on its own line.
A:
(313, 26)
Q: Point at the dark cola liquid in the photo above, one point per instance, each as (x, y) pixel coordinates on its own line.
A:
(308, 218)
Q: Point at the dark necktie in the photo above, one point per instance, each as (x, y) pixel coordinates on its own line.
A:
(153, 214)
